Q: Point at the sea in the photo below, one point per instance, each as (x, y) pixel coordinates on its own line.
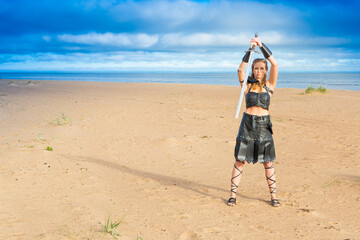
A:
(345, 81)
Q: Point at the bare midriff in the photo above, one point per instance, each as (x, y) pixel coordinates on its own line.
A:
(258, 111)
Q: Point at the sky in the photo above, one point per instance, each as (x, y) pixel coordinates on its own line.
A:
(176, 35)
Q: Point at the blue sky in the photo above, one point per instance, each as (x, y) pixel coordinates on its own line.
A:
(176, 35)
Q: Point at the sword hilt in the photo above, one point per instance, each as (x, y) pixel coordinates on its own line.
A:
(253, 47)
(252, 50)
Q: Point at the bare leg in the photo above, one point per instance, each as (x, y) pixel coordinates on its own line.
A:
(235, 180)
(271, 181)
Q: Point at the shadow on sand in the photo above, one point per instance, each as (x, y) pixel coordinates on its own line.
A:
(198, 188)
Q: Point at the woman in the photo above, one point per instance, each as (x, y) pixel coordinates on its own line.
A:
(254, 142)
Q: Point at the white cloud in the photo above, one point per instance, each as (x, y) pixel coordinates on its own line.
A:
(214, 39)
(46, 38)
(191, 17)
(123, 40)
(181, 41)
(317, 60)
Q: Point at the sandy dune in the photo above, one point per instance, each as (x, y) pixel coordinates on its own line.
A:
(163, 153)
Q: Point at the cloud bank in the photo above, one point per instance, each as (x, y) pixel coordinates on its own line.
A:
(68, 34)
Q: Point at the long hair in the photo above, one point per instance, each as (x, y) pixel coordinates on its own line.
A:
(263, 81)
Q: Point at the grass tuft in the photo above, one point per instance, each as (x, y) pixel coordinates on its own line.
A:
(310, 89)
(48, 148)
(110, 227)
(321, 89)
(335, 181)
(62, 120)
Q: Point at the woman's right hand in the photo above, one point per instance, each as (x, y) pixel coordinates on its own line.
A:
(252, 43)
(255, 42)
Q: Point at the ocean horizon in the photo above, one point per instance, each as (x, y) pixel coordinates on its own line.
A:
(344, 81)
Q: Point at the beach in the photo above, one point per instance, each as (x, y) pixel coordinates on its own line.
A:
(160, 156)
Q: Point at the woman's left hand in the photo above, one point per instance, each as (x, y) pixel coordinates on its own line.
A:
(257, 41)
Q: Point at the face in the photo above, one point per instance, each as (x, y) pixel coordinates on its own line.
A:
(259, 70)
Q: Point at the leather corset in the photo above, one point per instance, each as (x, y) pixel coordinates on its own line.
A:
(261, 99)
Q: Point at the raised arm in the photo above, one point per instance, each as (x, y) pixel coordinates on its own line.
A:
(241, 72)
(273, 72)
(274, 64)
(245, 60)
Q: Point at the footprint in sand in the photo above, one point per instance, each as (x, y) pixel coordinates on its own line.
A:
(211, 230)
(11, 221)
(260, 228)
(305, 210)
(312, 212)
(183, 216)
(18, 236)
(332, 228)
(188, 236)
(171, 142)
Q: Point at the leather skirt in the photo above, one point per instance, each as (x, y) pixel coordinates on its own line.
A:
(254, 142)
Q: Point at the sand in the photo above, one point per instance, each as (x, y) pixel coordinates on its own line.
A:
(162, 155)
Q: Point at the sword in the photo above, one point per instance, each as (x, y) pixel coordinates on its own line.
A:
(247, 71)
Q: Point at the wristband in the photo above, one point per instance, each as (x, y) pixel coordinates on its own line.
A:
(265, 51)
(246, 56)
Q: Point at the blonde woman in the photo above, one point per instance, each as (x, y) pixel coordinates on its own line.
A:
(254, 142)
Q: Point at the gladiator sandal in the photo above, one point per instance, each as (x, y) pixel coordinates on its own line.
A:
(232, 201)
(274, 202)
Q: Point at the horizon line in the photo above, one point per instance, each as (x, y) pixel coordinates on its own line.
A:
(168, 71)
